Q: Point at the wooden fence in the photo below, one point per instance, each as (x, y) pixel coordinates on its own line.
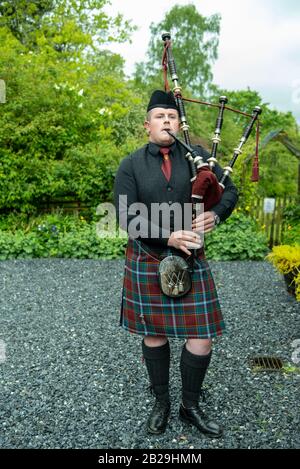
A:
(67, 205)
(272, 222)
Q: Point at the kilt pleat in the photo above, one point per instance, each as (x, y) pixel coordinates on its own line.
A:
(146, 310)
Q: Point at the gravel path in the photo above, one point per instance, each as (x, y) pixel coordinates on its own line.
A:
(71, 377)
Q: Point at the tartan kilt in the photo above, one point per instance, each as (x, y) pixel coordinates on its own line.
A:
(146, 310)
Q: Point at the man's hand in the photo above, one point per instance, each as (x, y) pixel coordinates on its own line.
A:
(184, 240)
(204, 223)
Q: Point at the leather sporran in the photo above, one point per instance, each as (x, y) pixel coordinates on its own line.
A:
(174, 276)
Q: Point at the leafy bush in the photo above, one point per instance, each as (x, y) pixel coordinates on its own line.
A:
(291, 230)
(58, 235)
(237, 239)
(291, 234)
(19, 221)
(48, 241)
(55, 235)
(63, 129)
(286, 259)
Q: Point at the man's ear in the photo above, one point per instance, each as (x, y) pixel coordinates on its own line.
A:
(146, 127)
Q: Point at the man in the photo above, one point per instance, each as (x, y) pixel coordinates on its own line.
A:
(158, 173)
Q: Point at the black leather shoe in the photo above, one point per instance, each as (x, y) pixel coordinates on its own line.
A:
(158, 420)
(196, 417)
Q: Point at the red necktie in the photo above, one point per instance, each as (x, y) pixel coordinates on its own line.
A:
(166, 165)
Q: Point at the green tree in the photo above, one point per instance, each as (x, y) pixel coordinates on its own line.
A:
(90, 26)
(64, 24)
(278, 167)
(69, 118)
(23, 17)
(195, 40)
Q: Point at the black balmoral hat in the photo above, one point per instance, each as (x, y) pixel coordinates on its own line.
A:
(162, 99)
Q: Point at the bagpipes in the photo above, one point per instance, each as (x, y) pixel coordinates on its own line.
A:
(206, 188)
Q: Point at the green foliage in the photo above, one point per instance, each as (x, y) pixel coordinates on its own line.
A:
(71, 115)
(23, 17)
(68, 120)
(278, 172)
(286, 259)
(289, 368)
(237, 239)
(195, 48)
(277, 166)
(291, 231)
(291, 212)
(59, 235)
(40, 223)
(56, 236)
(246, 100)
(64, 25)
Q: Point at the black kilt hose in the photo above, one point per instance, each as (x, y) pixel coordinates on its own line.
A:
(147, 311)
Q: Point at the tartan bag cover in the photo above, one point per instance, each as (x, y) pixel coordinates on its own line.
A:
(146, 310)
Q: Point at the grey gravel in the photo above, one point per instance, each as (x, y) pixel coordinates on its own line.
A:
(70, 377)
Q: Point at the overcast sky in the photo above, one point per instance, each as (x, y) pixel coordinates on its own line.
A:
(259, 43)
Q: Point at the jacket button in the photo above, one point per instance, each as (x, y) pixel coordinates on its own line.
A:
(169, 188)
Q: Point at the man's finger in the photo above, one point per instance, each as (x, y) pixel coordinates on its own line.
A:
(193, 245)
(192, 236)
(192, 240)
(184, 249)
(203, 216)
(204, 225)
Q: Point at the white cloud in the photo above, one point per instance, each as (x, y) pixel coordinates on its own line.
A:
(259, 51)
